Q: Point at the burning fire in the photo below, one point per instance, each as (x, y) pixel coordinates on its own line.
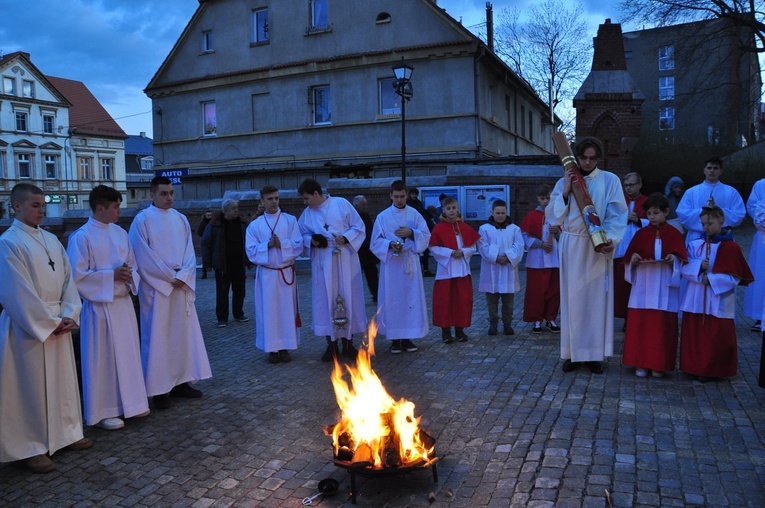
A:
(374, 429)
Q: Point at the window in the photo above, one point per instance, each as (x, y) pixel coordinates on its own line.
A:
(48, 124)
(531, 125)
(28, 89)
(666, 88)
(2, 164)
(51, 167)
(508, 112)
(666, 119)
(260, 26)
(209, 120)
(383, 17)
(24, 165)
(207, 41)
(390, 102)
(9, 86)
(147, 163)
(322, 114)
(21, 121)
(85, 165)
(666, 58)
(523, 121)
(319, 15)
(106, 169)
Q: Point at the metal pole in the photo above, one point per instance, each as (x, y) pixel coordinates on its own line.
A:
(403, 138)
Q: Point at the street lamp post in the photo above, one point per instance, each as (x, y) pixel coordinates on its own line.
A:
(403, 86)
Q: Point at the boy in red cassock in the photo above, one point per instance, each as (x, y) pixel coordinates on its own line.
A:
(708, 347)
(452, 243)
(653, 261)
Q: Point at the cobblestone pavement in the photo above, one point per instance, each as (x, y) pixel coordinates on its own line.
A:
(511, 428)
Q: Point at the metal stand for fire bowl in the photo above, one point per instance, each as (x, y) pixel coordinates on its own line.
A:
(370, 472)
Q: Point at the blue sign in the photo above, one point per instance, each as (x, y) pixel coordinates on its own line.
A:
(173, 174)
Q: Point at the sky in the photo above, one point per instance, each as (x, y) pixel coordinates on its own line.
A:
(116, 46)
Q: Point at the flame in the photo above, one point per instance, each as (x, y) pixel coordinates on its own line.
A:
(372, 421)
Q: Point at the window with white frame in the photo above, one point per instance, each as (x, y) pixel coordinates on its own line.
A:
(85, 167)
(390, 101)
(24, 165)
(21, 121)
(666, 88)
(319, 15)
(28, 89)
(9, 85)
(207, 41)
(49, 124)
(666, 58)
(107, 166)
(666, 119)
(147, 163)
(51, 167)
(260, 26)
(209, 119)
(2, 164)
(322, 112)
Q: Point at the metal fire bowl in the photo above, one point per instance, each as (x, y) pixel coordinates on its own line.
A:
(384, 471)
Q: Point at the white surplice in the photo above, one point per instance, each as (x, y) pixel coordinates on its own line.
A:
(720, 299)
(276, 292)
(112, 376)
(496, 278)
(402, 310)
(656, 285)
(755, 292)
(689, 208)
(172, 348)
(334, 274)
(40, 408)
(586, 276)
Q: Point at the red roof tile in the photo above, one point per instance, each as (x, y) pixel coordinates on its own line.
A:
(86, 113)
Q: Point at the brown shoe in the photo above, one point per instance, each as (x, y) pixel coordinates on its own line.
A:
(39, 464)
(82, 444)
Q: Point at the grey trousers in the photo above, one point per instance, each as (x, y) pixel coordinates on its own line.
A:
(492, 302)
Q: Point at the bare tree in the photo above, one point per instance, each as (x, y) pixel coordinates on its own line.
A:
(547, 46)
(741, 13)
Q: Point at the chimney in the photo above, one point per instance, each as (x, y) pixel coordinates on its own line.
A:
(489, 27)
(609, 48)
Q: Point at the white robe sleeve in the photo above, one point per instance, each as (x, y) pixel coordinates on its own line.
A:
(688, 212)
(379, 245)
(421, 235)
(558, 208)
(515, 252)
(356, 233)
(256, 245)
(489, 251)
(93, 284)
(154, 271)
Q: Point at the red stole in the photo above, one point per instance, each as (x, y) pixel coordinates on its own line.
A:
(638, 205)
(672, 242)
(445, 235)
(533, 223)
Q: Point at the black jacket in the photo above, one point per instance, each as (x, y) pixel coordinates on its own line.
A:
(214, 246)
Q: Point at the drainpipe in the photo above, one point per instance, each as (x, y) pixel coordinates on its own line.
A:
(477, 98)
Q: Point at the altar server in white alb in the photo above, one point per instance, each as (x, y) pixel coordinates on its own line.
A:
(172, 348)
(755, 292)
(725, 197)
(586, 276)
(39, 398)
(273, 242)
(104, 271)
(501, 247)
(332, 235)
(399, 235)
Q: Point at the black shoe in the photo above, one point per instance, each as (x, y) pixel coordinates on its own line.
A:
(285, 356)
(492, 328)
(408, 345)
(756, 326)
(569, 366)
(509, 330)
(446, 336)
(553, 328)
(537, 329)
(185, 391)
(273, 358)
(348, 350)
(242, 319)
(460, 334)
(396, 347)
(331, 352)
(595, 367)
(161, 401)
